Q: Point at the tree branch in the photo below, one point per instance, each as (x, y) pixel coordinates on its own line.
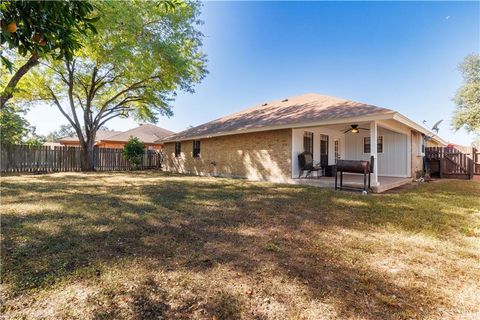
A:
(7, 93)
(71, 71)
(107, 119)
(59, 106)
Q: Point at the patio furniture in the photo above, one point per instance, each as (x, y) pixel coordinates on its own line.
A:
(330, 171)
(305, 161)
(354, 166)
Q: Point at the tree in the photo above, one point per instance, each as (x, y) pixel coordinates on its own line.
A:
(65, 130)
(35, 141)
(13, 126)
(40, 29)
(476, 142)
(15, 129)
(140, 58)
(467, 98)
(133, 151)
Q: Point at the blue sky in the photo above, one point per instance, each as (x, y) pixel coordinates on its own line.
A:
(398, 55)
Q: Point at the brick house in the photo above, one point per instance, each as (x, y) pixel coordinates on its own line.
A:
(147, 133)
(263, 142)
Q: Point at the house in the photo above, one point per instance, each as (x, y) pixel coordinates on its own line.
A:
(73, 141)
(52, 145)
(147, 133)
(263, 142)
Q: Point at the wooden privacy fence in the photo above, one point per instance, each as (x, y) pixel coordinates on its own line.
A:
(23, 158)
(449, 162)
(476, 161)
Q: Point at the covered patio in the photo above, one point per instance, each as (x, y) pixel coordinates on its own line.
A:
(352, 140)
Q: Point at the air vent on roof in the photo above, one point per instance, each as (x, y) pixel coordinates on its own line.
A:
(263, 105)
(284, 100)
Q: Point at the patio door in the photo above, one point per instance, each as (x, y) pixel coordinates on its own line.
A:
(323, 150)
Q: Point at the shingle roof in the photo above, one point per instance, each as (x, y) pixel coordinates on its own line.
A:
(147, 133)
(101, 135)
(306, 108)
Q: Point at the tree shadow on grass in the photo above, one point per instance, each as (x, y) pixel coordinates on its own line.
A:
(194, 225)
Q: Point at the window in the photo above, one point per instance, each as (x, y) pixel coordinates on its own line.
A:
(421, 144)
(380, 144)
(366, 144)
(308, 142)
(323, 150)
(196, 148)
(178, 149)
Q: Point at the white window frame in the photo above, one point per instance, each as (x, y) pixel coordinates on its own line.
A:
(421, 145)
(336, 149)
(378, 137)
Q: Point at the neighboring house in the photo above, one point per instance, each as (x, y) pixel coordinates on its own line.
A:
(147, 133)
(263, 142)
(52, 145)
(73, 141)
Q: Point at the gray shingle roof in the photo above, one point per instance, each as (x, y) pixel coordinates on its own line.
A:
(306, 108)
(101, 135)
(147, 133)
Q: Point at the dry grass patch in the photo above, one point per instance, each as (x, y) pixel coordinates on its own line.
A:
(146, 245)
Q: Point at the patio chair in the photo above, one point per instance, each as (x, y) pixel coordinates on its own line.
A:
(305, 161)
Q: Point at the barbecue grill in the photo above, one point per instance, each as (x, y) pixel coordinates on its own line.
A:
(354, 166)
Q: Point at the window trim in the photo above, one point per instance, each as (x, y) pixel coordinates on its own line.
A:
(196, 150)
(422, 144)
(383, 140)
(336, 149)
(178, 153)
(308, 135)
(378, 137)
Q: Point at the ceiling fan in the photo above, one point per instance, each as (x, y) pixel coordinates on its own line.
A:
(355, 129)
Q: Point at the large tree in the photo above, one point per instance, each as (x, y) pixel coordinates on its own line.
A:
(467, 99)
(31, 30)
(141, 56)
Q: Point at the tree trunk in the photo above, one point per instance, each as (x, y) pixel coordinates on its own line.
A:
(8, 91)
(88, 163)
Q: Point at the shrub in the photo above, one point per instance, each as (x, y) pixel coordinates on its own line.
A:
(133, 151)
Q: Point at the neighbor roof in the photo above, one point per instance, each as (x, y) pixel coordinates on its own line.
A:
(307, 108)
(101, 135)
(147, 133)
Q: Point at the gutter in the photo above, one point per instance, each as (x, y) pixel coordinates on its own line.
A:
(412, 124)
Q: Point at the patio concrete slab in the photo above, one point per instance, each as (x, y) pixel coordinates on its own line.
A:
(354, 180)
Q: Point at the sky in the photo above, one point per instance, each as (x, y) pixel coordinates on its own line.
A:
(397, 55)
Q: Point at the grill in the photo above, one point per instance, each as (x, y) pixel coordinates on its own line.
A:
(354, 166)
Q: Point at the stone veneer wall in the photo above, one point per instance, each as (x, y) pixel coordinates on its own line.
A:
(258, 156)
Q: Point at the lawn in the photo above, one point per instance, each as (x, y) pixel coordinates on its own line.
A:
(147, 245)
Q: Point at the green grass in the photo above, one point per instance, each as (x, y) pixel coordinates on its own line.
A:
(149, 245)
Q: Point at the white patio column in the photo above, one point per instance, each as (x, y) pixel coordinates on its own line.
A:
(373, 152)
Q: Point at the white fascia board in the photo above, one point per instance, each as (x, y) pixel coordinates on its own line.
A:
(412, 124)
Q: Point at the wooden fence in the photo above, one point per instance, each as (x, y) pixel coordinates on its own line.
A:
(476, 161)
(23, 158)
(449, 162)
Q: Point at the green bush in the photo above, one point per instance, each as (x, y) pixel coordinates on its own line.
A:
(133, 151)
